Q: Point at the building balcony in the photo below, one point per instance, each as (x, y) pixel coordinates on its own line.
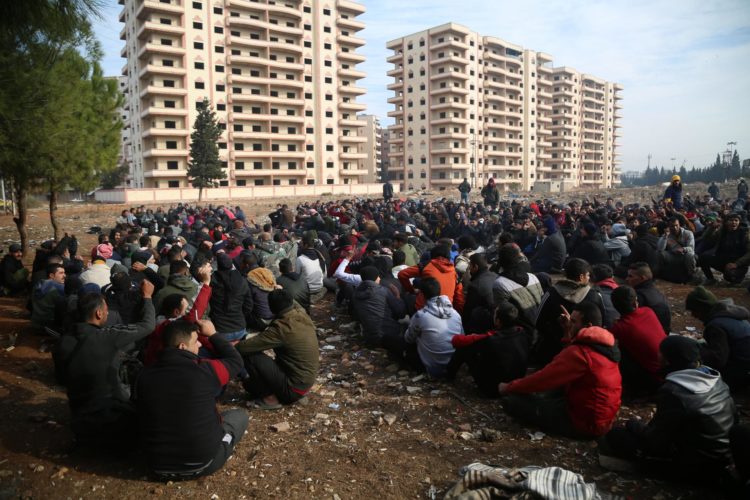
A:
(275, 136)
(448, 89)
(351, 73)
(351, 90)
(346, 122)
(350, 40)
(396, 100)
(449, 74)
(350, 6)
(449, 105)
(154, 111)
(165, 132)
(265, 99)
(450, 59)
(449, 150)
(394, 73)
(350, 56)
(154, 48)
(448, 135)
(353, 155)
(350, 23)
(156, 7)
(352, 139)
(449, 43)
(352, 106)
(395, 113)
(265, 117)
(451, 120)
(159, 29)
(233, 154)
(265, 172)
(173, 91)
(351, 172)
(148, 153)
(161, 70)
(166, 173)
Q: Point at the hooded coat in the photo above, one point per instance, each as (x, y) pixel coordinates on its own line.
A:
(177, 283)
(650, 296)
(378, 311)
(565, 293)
(443, 271)
(432, 328)
(230, 301)
(588, 372)
(727, 336)
(550, 253)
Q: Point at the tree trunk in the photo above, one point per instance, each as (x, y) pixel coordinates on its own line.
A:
(20, 219)
(53, 214)
(200, 194)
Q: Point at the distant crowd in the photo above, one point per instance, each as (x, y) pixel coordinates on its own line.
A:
(551, 307)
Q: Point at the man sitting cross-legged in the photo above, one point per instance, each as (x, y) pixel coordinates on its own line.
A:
(291, 335)
(184, 434)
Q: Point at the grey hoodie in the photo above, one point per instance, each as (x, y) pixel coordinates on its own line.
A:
(432, 328)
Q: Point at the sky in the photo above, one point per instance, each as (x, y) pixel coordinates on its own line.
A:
(684, 64)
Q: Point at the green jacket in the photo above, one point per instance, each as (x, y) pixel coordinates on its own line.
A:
(412, 255)
(292, 337)
(177, 283)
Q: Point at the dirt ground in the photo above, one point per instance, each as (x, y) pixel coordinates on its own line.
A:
(368, 429)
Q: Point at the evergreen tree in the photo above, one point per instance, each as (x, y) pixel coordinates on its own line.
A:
(204, 166)
(735, 169)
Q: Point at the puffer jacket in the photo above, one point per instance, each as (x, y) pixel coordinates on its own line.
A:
(549, 254)
(378, 310)
(442, 270)
(432, 328)
(589, 373)
(565, 293)
(694, 413)
(230, 302)
(525, 296)
(727, 336)
(479, 293)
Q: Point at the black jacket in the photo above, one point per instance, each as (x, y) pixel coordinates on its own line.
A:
(727, 336)
(88, 362)
(378, 310)
(644, 249)
(176, 402)
(694, 413)
(300, 290)
(230, 301)
(551, 253)
(592, 251)
(478, 296)
(650, 296)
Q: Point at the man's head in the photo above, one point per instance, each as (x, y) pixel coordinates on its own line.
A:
(477, 263)
(679, 353)
(624, 299)
(467, 242)
(733, 221)
(399, 240)
(92, 308)
(638, 272)
(286, 266)
(430, 287)
(585, 315)
(174, 305)
(600, 272)
(179, 267)
(182, 335)
(674, 225)
(16, 251)
(399, 258)
(279, 301)
(56, 272)
(370, 273)
(578, 270)
(675, 180)
(506, 315)
(699, 302)
(438, 251)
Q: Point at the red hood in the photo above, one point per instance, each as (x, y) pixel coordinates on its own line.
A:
(442, 264)
(608, 283)
(595, 335)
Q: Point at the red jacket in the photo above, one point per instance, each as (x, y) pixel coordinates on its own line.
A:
(442, 270)
(155, 344)
(588, 371)
(639, 334)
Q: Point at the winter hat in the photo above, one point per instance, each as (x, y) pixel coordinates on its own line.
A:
(680, 352)
(700, 299)
(262, 278)
(369, 273)
(15, 247)
(121, 281)
(549, 224)
(223, 262)
(90, 288)
(675, 178)
(279, 301)
(118, 268)
(141, 256)
(619, 230)
(104, 251)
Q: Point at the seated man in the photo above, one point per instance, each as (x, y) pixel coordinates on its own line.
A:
(601, 275)
(184, 434)
(378, 310)
(677, 248)
(89, 363)
(726, 335)
(432, 327)
(638, 333)
(574, 289)
(479, 305)
(500, 355)
(641, 279)
(14, 277)
(728, 250)
(179, 281)
(48, 299)
(294, 284)
(291, 335)
(99, 272)
(585, 377)
(439, 268)
(689, 434)
(311, 266)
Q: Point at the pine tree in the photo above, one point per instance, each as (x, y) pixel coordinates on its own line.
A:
(204, 166)
(735, 169)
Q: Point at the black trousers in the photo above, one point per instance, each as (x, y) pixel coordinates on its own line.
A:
(706, 262)
(548, 411)
(234, 423)
(266, 378)
(114, 427)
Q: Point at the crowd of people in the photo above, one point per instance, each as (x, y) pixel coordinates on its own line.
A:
(551, 307)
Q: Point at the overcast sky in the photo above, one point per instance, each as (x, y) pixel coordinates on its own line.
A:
(685, 64)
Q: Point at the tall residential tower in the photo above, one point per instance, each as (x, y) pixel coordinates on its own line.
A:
(473, 106)
(280, 74)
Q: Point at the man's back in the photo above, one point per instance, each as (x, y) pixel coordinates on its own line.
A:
(650, 296)
(639, 335)
(297, 287)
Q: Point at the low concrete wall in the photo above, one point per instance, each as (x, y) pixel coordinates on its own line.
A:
(132, 196)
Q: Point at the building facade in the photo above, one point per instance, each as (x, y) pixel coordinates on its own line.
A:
(281, 76)
(373, 147)
(475, 107)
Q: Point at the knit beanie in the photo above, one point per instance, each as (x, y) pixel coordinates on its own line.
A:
(279, 300)
(118, 268)
(680, 353)
(700, 299)
(141, 256)
(121, 281)
(549, 224)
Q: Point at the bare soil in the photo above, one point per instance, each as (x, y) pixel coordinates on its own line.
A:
(368, 429)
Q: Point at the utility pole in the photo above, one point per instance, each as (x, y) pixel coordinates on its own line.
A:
(648, 165)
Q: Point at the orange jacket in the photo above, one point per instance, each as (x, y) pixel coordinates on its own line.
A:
(442, 270)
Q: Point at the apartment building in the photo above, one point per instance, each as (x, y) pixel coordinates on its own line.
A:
(280, 74)
(385, 147)
(475, 107)
(126, 147)
(373, 147)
